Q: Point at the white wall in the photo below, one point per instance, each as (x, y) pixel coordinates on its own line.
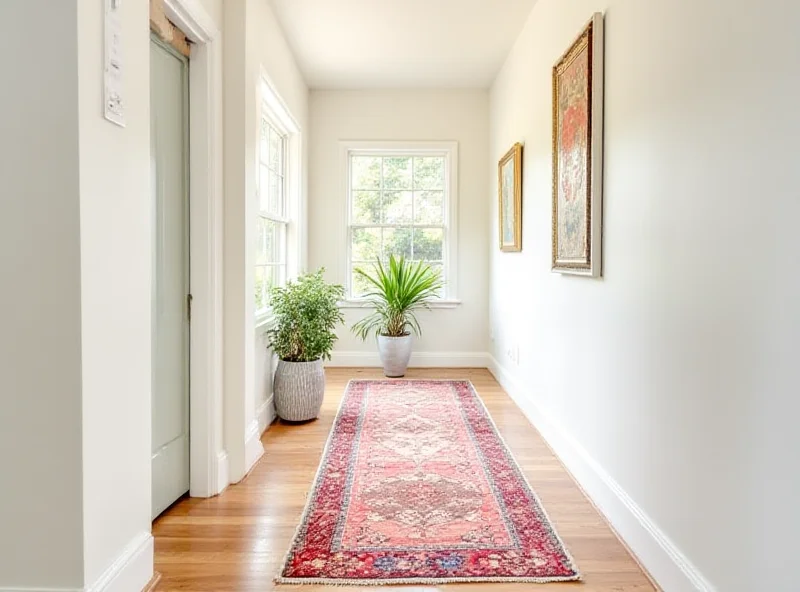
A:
(76, 258)
(676, 370)
(40, 296)
(460, 115)
(116, 247)
(253, 40)
(214, 9)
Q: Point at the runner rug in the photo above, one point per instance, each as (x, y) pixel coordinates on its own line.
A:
(416, 486)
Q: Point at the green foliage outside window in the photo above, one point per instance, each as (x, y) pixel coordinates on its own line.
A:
(397, 210)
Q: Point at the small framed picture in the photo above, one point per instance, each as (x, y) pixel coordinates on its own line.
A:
(510, 199)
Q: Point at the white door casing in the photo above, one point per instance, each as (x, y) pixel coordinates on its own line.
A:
(169, 76)
(208, 459)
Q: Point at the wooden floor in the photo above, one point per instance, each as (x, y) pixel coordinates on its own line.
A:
(236, 541)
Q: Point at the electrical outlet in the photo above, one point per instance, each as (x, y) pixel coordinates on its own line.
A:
(512, 353)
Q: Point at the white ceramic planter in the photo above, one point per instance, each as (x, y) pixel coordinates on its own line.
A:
(298, 390)
(395, 353)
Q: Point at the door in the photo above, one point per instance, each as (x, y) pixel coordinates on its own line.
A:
(169, 111)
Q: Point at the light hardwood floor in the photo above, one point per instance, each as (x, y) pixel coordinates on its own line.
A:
(236, 541)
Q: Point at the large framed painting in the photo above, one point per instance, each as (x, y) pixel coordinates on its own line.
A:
(578, 154)
(510, 196)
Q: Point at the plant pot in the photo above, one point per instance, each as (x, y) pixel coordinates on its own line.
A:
(395, 353)
(298, 389)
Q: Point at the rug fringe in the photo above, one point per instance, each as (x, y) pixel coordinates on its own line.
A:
(423, 581)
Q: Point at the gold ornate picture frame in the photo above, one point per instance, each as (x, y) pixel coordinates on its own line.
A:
(578, 154)
(509, 175)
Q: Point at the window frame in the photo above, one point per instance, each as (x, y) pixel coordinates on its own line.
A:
(280, 217)
(383, 149)
(274, 111)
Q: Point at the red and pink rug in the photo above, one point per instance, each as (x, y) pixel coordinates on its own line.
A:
(416, 486)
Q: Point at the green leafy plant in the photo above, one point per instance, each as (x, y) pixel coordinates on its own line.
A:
(396, 291)
(306, 313)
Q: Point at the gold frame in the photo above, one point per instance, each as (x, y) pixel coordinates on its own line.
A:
(590, 39)
(516, 153)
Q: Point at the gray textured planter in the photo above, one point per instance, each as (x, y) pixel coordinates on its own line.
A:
(298, 389)
(395, 353)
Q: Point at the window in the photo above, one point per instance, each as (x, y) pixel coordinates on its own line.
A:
(277, 235)
(272, 220)
(401, 202)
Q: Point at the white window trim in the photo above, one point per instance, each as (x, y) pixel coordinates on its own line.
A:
(394, 148)
(272, 105)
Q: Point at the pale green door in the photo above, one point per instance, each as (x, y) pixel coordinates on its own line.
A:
(169, 116)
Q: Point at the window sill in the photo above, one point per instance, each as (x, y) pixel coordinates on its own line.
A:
(436, 304)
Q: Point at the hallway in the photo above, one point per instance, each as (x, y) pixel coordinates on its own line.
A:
(235, 542)
(596, 203)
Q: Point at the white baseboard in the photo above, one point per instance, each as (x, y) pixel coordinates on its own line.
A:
(132, 570)
(253, 449)
(223, 477)
(658, 554)
(418, 359)
(265, 414)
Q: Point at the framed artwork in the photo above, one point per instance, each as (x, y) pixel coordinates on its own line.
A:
(510, 198)
(578, 154)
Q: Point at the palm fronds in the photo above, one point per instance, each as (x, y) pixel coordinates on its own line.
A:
(396, 292)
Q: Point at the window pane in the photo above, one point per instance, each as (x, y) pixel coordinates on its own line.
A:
(428, 244)
(264, 143)
(366, 244)
(367, 207)
(261, 287)
(397, 207)
(358, 285)
(429, 172)
(429, 207)
(366, 172)
(279, 275)
(269, 247)
(263, 188)
(261, 242)
(275, 150)
(397, 173)
(274, 194)
(397, 242)
(439, 268)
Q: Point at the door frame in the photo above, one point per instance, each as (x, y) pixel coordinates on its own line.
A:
(208, 461)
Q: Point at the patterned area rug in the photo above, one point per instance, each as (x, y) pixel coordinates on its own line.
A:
(416, 486)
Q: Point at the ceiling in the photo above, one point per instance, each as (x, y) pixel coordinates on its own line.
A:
(342, 44)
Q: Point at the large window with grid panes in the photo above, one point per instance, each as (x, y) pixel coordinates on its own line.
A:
(272, 219)
(401, 202)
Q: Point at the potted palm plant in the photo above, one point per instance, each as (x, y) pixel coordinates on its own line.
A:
(306, 314)
(396, 292)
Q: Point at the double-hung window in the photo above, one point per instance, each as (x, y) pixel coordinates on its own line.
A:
(401, 202)
(278, 207)
(273, 220)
